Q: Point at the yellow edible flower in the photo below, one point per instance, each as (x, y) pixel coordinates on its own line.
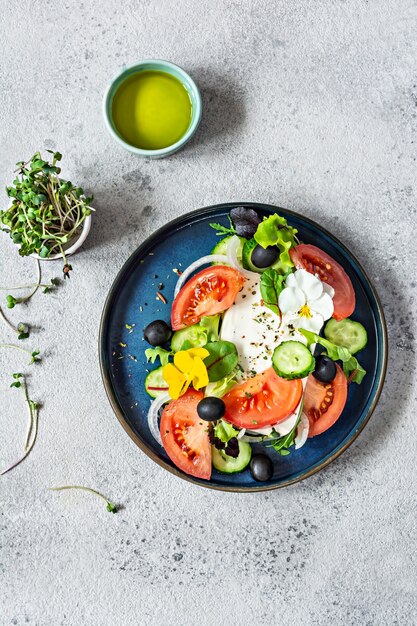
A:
(188, 368)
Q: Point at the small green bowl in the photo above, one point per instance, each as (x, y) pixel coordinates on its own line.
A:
(169, 68)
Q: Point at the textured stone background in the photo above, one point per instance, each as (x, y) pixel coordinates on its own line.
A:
(311, 105)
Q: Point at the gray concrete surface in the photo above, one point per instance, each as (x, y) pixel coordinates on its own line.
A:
(311, 105)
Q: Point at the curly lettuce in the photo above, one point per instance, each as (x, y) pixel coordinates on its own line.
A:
(275, 231)
(153, 353)
(223, 386)
(198, 335)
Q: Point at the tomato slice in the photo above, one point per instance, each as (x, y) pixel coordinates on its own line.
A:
(318, 262)
(324, 402)
(209, 292)
(185, 435)
(262, 400)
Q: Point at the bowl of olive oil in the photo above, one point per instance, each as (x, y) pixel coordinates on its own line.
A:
(152, 108)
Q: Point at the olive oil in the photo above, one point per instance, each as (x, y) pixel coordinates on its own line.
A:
(151, 110)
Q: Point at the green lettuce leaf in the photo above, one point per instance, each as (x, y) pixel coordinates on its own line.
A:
(283, 444)
(272, 283)
(211, 325)
(191, 337)
(351, 366)
(153, 353)
(198, 335)
(222, 359)
(224, 431)
(222, 386)
(274, 231)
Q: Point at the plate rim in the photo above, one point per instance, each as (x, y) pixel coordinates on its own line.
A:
(168, 226)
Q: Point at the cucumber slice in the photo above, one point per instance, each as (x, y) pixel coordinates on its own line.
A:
(221, 248)
(190, 337)
(155, 383)
(292, 359)
(227, 464)
(346, 333)
(248, 247)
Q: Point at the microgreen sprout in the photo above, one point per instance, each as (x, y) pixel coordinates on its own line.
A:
(111, 507)
(19, 382)
(46, 212)
(23, 331)
(11, 302)
(34, 355)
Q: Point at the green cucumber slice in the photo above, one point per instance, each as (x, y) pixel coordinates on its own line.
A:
(346, 333)
(227, 464)
(155, 383)
(248, 247)
(221, 248)
(292, 359)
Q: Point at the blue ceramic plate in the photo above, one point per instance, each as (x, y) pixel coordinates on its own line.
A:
(132, 301)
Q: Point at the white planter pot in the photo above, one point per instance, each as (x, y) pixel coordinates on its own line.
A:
(73, 245)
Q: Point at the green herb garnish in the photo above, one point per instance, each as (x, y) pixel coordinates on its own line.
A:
(283, 444)
(224, 230)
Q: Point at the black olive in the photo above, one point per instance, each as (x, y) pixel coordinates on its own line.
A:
(264, 257)
(325, 370)
(261, 467)
(157, 333)
(318, 350)
(211, 408)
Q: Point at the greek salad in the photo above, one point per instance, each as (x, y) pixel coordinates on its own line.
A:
(260, 349)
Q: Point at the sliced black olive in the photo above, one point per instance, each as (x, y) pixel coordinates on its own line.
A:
(261, 467)
(157, 333)
(325, 370)
(264, 257)
(211, 408)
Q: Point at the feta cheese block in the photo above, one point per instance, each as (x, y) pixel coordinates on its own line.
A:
(255, 329)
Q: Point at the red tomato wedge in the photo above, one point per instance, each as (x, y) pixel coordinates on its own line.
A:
(209, 292)
(262, 400)
(324, 402)
(185, 435)
(316, 261)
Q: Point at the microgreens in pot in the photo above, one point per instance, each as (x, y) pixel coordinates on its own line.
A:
(46, 212)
